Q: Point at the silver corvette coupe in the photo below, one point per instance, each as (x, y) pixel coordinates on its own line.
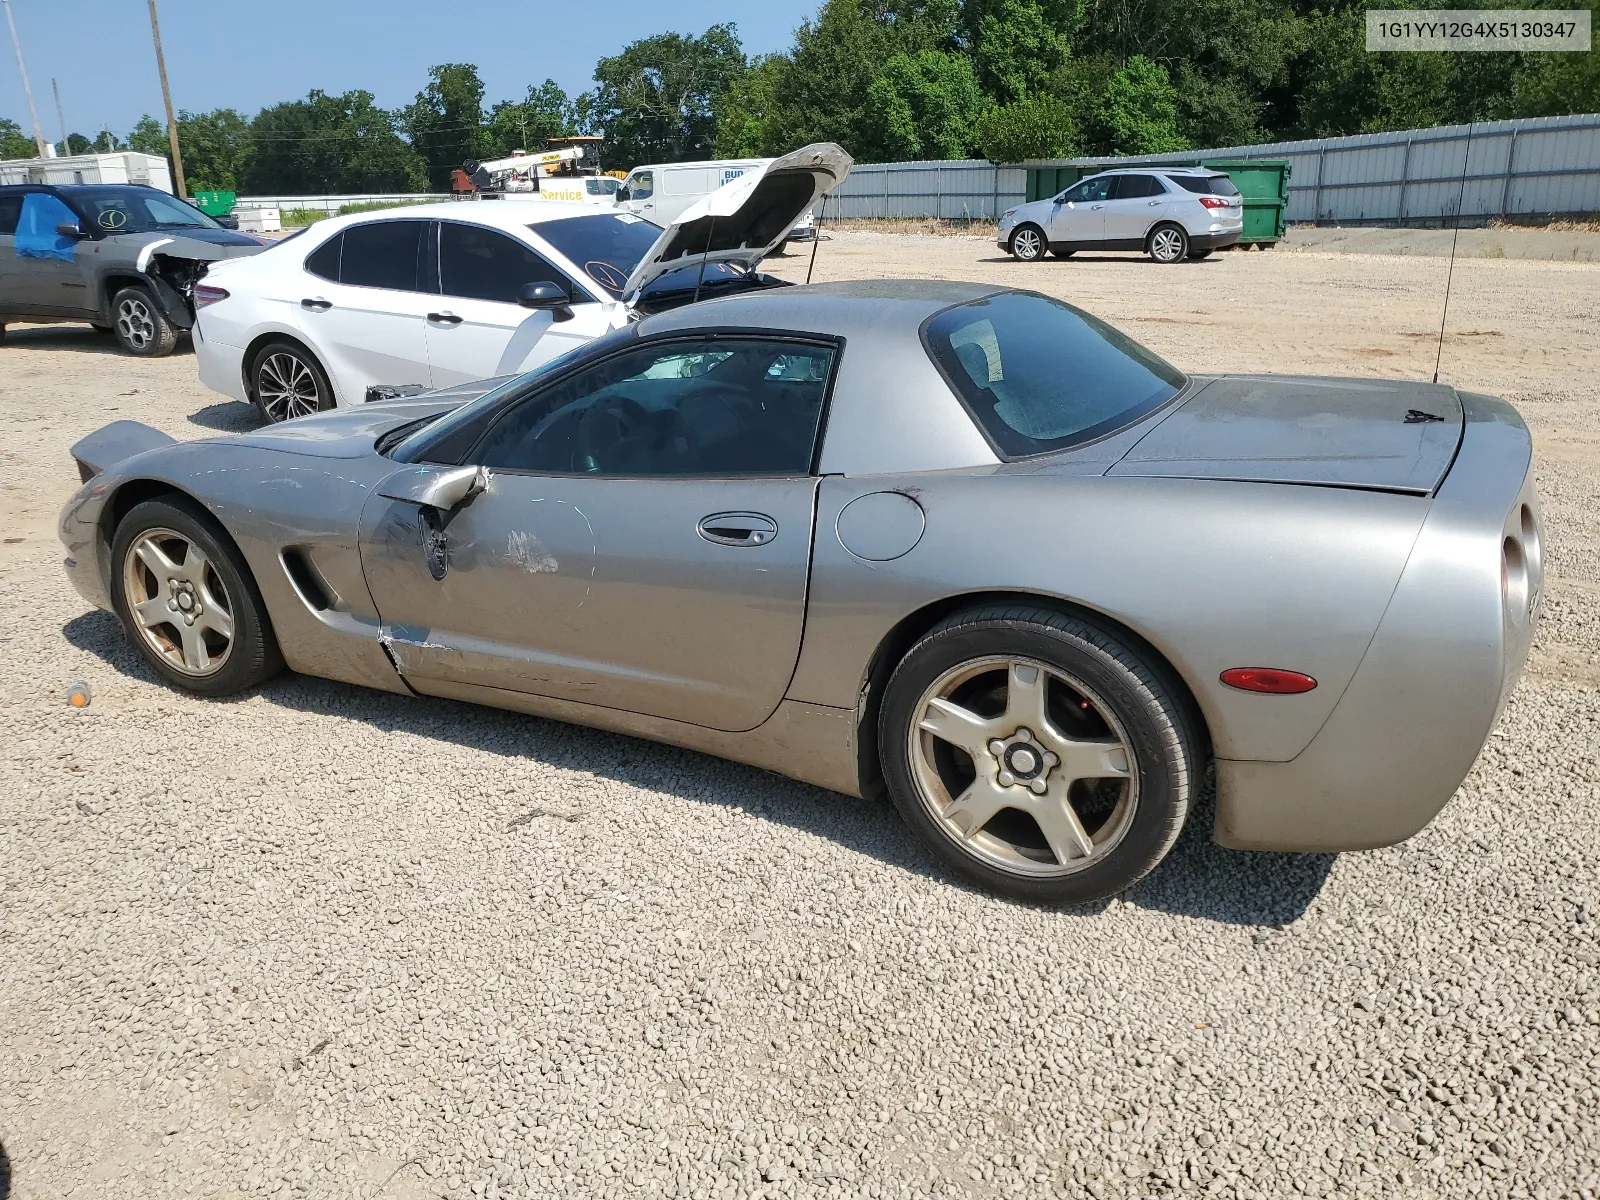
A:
(966, 545)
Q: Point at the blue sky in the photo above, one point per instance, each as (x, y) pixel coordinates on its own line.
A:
(242, 54)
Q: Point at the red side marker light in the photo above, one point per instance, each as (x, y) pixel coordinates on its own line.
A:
(1269, 680)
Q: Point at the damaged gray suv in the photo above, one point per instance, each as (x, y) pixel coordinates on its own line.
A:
(123, 257)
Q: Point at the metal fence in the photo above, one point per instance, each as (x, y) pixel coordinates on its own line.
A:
(332, 204)
(955, 189)
(1535, 166)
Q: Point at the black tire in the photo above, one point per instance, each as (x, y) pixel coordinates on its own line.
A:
(1199, 255)
(140, 326)
(252, 654)
(1167, 243)
(287, 381)
(1159, 732)
(1029, 243)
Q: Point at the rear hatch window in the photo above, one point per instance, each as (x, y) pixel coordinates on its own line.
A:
(1039, 375)
(1205, 185)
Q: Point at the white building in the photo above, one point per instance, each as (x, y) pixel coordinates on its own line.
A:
(124, 166)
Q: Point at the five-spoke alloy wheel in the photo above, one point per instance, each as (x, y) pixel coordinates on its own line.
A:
(288, 383)
(1039, 754)
(187, 599)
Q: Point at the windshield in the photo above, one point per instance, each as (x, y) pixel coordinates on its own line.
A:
(137, 210)
(1040, 375)
(604, 246)
(602, 186)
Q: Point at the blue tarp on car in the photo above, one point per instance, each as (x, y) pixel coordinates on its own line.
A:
(36, 235)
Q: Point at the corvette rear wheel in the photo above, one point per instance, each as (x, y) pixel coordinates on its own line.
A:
(1037, 754)
(187, 600)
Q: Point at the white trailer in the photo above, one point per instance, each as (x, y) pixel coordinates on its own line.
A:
(123, 166)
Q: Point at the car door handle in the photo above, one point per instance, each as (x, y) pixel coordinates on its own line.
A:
(1096, 207)
(738, 529)
(444, 318)
(1153, 203)
(316, 304)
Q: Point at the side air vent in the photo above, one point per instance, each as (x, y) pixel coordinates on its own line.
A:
(306, 581)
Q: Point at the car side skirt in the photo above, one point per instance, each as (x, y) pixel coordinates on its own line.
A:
(809, 742)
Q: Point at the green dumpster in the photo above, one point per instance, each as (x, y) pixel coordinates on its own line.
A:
(1263, 185)
(215, 204)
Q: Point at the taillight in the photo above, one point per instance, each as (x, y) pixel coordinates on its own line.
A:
(205, 294)
(1268, 679)
(1215, 201)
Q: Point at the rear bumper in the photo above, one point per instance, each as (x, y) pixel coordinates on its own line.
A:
(1444, 660)
(221, 367)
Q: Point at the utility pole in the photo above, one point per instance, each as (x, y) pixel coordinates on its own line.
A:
(38, 134)
(66, 142)
(166, 96)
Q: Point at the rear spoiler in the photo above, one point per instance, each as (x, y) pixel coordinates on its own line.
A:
(111, 444)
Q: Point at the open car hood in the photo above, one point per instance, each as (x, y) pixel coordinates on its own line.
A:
(744, 221)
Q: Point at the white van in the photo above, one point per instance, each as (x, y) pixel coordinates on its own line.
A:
(660, 192)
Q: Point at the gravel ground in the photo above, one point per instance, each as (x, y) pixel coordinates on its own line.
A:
(322, 942)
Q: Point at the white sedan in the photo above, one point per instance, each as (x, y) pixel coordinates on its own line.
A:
(441, 294)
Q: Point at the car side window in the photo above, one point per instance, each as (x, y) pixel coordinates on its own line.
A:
(1135, 187)
(642, 186)
(1089, 189)
(382, 254)
(10, 211)
(482, 264)
(727, 406)
(323, 262)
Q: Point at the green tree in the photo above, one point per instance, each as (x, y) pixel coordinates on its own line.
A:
(1137, 113)
(745, 124)
(331, 144)
(217, 148)
(106, 142)
(823, 93)
(526, 124)
(445, 121)
(1557, 84)
(13, 142)
(922, 106)
(149, 136)
(658, 99)
(1017, 44)
(1039, 127)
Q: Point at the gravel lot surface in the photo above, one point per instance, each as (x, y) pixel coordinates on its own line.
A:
(322, 942)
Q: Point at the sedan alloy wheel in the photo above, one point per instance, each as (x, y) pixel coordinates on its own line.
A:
(287, 387)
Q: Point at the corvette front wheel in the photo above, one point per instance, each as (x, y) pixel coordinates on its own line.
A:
(1037, 754)
(187, 600)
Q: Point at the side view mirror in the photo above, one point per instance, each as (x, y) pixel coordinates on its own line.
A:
(622, 194)
(443, 488)
(547, 295)
(69, 229)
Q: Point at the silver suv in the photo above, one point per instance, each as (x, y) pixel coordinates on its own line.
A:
(1171, 213)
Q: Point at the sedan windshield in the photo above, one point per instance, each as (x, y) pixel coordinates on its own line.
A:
(605, 246)
(1040, 375)
(137, 210)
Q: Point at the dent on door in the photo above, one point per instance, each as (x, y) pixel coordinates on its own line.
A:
(652, 596)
